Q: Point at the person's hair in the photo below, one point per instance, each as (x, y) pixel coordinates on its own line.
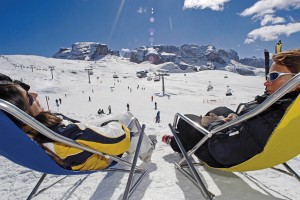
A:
(10, 92)
(3, 77)
(290, 59)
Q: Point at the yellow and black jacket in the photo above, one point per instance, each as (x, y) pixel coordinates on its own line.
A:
(111, 139)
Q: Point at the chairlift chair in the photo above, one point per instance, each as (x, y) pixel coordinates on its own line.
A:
(282, 145)
(16, 146)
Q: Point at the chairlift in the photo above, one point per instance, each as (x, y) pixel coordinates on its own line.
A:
(228, 92)
(156, 78)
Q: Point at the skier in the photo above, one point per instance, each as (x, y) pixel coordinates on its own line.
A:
(127, 107)
(157, 117)
(109, 109)
(155, 106)
(56, 101)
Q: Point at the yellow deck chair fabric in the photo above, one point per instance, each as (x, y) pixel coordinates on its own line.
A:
(283, 144)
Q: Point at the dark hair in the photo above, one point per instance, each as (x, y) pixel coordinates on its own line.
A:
(3, 77)
(290, 59)
(10, 92)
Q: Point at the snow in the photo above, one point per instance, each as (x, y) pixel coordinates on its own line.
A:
(185, 93)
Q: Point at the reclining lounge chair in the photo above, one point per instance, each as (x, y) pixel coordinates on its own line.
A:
(16, 146)
(282, 145)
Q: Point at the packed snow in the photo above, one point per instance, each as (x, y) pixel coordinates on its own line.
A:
(184, 93)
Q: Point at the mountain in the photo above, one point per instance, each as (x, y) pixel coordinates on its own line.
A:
(186, 58)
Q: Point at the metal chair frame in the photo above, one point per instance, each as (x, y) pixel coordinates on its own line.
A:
(134, 169)
(194, 176)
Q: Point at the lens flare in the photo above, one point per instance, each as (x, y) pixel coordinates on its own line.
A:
(151, 40)
(151, 31)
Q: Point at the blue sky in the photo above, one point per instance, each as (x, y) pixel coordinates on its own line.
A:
(41, 27)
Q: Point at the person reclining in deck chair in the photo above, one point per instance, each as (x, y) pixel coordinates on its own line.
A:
(109, 135)
(239, 143)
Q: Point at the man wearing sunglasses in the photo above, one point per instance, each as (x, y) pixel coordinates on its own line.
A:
(243, 141)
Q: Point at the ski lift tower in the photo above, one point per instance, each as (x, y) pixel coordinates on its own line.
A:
(162, 74)
(51, 69)
(90, 72)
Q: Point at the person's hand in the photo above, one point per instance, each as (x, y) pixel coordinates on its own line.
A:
(230, 117)
(206, 120)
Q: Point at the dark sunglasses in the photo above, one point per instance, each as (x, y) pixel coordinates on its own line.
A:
(23, 85)
(275, 75)
(31, 99)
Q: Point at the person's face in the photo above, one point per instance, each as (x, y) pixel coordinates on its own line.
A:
(272, 86)
(34, 106)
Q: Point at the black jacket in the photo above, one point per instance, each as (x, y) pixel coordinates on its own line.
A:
(241, 142)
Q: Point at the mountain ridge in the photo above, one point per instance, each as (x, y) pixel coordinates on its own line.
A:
(185, 57)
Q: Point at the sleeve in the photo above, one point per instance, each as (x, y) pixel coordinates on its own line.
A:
(111, 139)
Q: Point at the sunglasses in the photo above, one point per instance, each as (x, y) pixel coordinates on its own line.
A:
(275, 75)
(31, 99)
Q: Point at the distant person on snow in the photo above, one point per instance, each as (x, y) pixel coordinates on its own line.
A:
(127, 105)
(100, 111)
(109, 109)
(109, 135)
(56, 101)
(157, 117)
(242, 141)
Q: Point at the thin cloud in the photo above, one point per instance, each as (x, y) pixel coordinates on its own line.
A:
(262, 5)
(291, 19)
(271, 19)
(216, 5)
(264, 11)
(272, 32)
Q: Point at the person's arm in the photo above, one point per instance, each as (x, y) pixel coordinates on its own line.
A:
(245, 140)
(111, 139)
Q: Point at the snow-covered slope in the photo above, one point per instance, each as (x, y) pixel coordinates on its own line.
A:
(185, 93)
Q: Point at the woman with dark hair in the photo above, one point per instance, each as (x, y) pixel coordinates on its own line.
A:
(111, 137)
(243, 141)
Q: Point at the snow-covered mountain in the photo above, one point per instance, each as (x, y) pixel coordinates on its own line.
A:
(188, 57)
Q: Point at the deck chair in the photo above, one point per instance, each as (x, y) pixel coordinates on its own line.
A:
(16, 146)
(282, 145)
